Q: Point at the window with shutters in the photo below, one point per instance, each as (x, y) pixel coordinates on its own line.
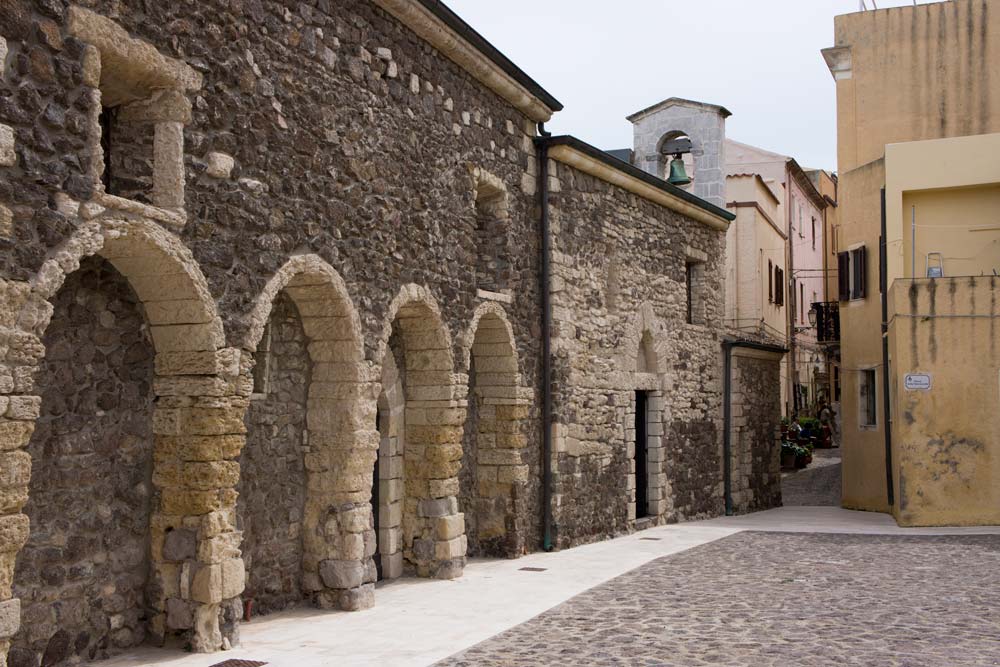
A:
(852, 274)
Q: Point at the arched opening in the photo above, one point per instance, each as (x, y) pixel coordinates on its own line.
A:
(271, 505)
(493, 474)
(670, 145)
(388, 481)
(310, 422)
(649, 494)
(82, 574)
(131, 466)
(433, 530)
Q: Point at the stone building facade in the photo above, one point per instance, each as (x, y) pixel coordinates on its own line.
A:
(270, 318)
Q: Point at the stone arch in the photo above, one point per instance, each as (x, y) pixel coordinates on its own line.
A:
(340, 442)
(433, 530)
(494, 473)
(193, 556)
(644, 359)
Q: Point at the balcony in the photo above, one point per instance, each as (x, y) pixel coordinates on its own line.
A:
(827, 322)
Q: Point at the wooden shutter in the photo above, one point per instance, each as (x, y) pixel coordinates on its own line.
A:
(770, 282)
(844, 276)
(859, 267)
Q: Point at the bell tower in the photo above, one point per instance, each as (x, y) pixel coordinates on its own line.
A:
(694, 130)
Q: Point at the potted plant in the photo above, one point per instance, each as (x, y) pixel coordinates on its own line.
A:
(788, 454)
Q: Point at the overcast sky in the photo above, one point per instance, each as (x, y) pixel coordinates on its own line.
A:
(605, 59)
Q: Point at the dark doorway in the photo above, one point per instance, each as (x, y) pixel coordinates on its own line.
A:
(376, 501)
(641, 455)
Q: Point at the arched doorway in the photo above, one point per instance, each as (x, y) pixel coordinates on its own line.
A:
(494, 474)
(316, 412)
(433, 530)
(126, 465)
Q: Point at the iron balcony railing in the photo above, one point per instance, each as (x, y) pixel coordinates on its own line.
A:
(827, 322)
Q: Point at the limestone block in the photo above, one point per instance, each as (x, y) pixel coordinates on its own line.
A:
(219, 165)
(8, 158)
(499, 457)
(15, 468)
(356, 599)
(423, 550)
(342, 573)
(437, 507)
(201, 362)
(206, 585)
(216, 523)
(352, 546)
(392, 565)
(10, 618)
(23, 407)
(513, 474)
(233, 578)
(13, 498)
(450, 527)
(180, 614)
(442, 488)
(6, 222)
(13, 532)
(207, 637)
(208, 475)
(220, 547)
(91, 66)
(449, 549)
(186, 502)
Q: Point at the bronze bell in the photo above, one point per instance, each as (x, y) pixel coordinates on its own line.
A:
(678, 175)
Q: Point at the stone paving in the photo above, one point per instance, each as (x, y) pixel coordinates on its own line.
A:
(763, 599)
(818, 485)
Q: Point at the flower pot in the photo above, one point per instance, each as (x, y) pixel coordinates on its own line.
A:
(787, 459)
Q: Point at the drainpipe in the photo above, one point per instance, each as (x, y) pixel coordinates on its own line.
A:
(883, 286)
(727, 410)
(542, 146)
(794, 301)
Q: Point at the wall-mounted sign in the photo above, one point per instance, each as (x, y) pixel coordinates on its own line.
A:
(917, 382)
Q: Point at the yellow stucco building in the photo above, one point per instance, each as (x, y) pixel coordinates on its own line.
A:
(918, 259)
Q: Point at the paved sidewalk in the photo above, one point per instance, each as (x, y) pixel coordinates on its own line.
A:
(418, 622)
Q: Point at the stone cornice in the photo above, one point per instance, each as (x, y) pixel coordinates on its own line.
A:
(573, 154)
(431, 27)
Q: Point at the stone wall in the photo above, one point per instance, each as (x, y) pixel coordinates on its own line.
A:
(755, 440)
(321, 154)
(630, 280)
(272, 474)
(82, 575)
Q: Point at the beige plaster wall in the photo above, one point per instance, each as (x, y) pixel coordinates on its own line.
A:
(946, 456)
(911, 73)
(863, 448)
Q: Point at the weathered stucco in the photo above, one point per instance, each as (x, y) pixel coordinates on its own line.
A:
(946, 457)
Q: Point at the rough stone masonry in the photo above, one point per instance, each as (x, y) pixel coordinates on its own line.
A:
(235, 233)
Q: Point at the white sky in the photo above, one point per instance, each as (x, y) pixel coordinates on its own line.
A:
(605, 59)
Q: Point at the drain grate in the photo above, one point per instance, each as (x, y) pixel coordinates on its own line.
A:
(651, 539)
(239, 663)
(534, 569)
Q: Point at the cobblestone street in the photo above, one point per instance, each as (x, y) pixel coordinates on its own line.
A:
(759, 599)
(818, 485)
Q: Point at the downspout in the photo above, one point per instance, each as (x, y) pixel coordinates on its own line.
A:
(793, 389)
(542, 146)
(883, 285)
(727, 410)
